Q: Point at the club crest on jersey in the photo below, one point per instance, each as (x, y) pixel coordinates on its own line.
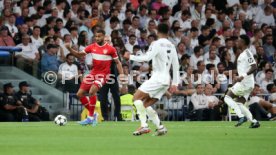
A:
(105, 51)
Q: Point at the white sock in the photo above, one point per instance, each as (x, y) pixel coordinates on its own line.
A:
(231, 103)
(153, 116)
(247, 113)
(90, 117)
(141, 111)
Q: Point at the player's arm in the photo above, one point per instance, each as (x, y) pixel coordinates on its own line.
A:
(142, 58)
(252, 69)
(119, 66)
(120, 69)
(175, 67)
(74, 52)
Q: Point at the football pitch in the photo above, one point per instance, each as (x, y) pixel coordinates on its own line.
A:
(115, 138)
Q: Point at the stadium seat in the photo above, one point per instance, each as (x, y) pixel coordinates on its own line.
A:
(231, 113)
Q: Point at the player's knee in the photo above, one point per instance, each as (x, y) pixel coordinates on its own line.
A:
(137, 96)
(79, 94)
(92, 93)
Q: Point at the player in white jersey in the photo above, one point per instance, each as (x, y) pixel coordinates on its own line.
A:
(163, 55)
(241, 90)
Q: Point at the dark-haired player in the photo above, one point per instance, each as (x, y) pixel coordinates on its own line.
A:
(163, 55)
(241, 90)
(102, 54)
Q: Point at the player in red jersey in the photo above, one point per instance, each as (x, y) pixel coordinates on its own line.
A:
(102, 56)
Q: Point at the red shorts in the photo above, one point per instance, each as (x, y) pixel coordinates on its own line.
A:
(90, 80)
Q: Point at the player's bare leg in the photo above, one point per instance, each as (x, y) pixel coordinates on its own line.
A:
(93, 100)
(229, 100)
(138, 98)
(254, 123)
(153, 116)
(89, 104)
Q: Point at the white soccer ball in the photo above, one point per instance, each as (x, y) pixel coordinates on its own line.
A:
(60, 120)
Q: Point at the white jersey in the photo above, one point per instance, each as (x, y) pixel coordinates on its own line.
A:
(163, 55)
(245, 60)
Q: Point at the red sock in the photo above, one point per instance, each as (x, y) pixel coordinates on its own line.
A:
(92, 105)
(85, 102)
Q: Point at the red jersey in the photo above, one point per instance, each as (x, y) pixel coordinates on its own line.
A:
(101, 58)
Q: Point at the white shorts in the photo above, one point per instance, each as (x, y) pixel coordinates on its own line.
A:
(241, 89)
(154, 89)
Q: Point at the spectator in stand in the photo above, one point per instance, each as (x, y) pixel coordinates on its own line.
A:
(35, 37)
(263, 66)
(142, 41)
(203, 108)
(181, 50)
(87, 27)
(11, 25)
(60, 25)
(271, 88)
(105, 11)
(196, 56)
(29, 57)
(43, 48)
(74, 35)
(194, 37)
(201, 69)
(268, 79)
(49, 60)
(226, 60)
(22, 31)
(185, 21)
(265, 16)
(5, 37)
(143, 16)
(176, 35)
(68, 74)
(34, 9)
(222, 78)
(151, 30)
(261, 57)
(131, 43)
(268, 46)
(212, 59)
(114, 25)
(5, 40)
(260, 107)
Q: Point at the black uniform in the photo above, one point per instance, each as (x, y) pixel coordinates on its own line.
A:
(28, 102)
(114, 89)
(9, 115)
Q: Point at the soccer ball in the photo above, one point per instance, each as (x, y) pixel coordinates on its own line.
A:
(60, 120)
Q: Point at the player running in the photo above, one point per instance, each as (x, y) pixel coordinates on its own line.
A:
(102, 56)
(163, 55)
(241, 90)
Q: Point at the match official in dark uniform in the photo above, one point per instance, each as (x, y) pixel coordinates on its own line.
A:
(114, 89)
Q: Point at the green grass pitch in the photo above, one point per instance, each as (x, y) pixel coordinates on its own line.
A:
(115, 138)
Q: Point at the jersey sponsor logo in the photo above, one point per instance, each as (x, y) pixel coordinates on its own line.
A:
(250, 60)
(101, 57)
(105, 51)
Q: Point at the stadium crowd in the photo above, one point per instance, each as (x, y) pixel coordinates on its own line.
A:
(204, 32)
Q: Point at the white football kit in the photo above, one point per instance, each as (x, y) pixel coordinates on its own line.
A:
(163, 55)
(244, 88)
